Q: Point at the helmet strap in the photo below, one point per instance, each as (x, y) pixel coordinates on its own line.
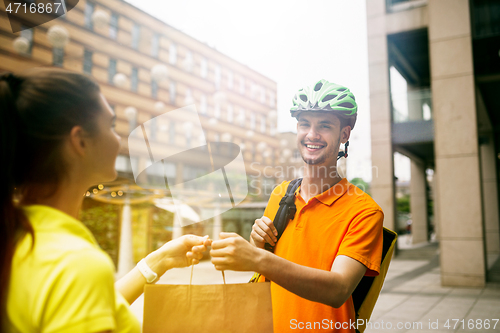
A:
(343, 153)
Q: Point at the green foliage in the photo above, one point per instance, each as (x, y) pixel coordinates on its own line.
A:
(403, 204)
(162, 227)
(359, 182)
(103, 222)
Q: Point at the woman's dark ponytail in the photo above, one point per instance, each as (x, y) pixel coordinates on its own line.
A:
(13, 222)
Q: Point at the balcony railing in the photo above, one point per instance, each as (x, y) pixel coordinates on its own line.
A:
(412, 105)
(400, 5)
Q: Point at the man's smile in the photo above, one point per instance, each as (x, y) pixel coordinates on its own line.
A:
(314, 146)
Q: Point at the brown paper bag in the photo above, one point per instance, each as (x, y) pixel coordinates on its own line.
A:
(218, 308)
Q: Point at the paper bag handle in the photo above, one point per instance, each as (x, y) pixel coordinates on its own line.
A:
(191, 278)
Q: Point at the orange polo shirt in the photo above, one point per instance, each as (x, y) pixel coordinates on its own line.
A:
(340, 221)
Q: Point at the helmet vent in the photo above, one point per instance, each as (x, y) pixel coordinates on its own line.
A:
(346, 105)
(318, 86)
(341, 97)
(303, 98)
(342, 89)
(328, 98)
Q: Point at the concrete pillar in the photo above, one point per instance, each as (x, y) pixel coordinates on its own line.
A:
(435, 204)
(489, 181)
(177, 225)
(382, 186)
(126, 249)
(490, 198)
(418, 203)
(456, 144)
(217, 226)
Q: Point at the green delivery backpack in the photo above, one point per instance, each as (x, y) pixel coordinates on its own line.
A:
(366, 293)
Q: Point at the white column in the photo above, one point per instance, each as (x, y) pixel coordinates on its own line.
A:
(435, 204)
(490, 198)
(177, 228)
(217, 226)
(418, 203)
(382, 186)
(126, 250)
(462, 244)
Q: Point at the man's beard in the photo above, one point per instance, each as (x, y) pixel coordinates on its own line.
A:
(323, 158)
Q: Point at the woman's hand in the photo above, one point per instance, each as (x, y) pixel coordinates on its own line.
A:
(180, 252)
(233, 252)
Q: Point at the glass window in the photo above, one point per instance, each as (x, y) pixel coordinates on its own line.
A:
(171, 132)
(154, 89)
(136, 32)
(170, 169)
(230, 78)
(204, 68)
(272, 100)
(132, 123)
(87, 62)
(188, 99)
(122, 163)
(216, 139)
(242, 85)
(113, 26)
(155, 45)
(230, 115)
(28, 34)
(156, 169)
(190, 172)
(189, 137)
(111, 70)
(241, 117)
(188, 62)
(172, 92)
(134, 79)
(203, 104)
(217, 110)
(57, 56)
(252, 121)
(172, 56)
(152, 123)
(217, 77)
(89, 10)
(263, 124)
(296, 154)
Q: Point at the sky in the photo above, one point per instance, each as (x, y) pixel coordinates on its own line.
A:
(294, 43)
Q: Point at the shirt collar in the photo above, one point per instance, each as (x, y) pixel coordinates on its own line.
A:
(332, 194)
(46, 218)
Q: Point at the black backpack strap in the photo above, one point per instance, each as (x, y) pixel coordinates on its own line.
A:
(286, 211)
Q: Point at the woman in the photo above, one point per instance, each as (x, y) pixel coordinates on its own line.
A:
(57, 139)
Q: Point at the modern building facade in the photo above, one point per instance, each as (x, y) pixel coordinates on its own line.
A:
(121, 47)
(109, 37)
(434, 72)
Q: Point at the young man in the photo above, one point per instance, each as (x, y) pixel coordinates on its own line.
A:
(335, 237)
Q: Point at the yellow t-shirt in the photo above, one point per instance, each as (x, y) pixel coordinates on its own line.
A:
(65, 282)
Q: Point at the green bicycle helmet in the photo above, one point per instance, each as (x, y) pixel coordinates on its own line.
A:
(327, 97)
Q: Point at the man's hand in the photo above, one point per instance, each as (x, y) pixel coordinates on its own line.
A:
(233, 252)
(263, 231)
